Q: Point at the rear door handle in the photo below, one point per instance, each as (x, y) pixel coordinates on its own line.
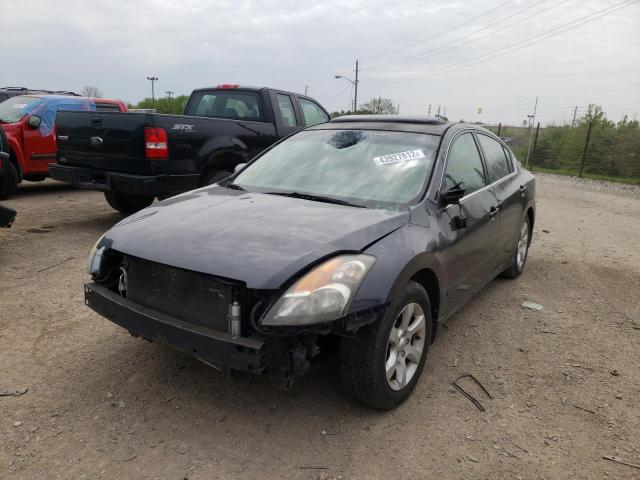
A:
(523, 189)
(493, 211)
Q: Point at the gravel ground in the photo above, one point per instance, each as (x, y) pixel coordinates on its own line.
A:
(565, 381)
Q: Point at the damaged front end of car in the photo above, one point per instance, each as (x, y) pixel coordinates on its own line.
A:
(221, 321)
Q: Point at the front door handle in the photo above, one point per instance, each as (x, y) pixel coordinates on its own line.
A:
(523, 190)
(493, 211)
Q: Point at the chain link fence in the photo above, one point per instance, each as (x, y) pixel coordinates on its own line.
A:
(593, 147)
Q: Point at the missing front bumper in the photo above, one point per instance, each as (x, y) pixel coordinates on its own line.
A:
(218, 348)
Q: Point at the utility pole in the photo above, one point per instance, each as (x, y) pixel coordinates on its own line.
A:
(535, 142)
(398, 110)
(153, 80)
(306, 89)
(575, 111)
(429, 110)
(532, 118)
(438, 114)
(586, 148)
(444, 113)
(355, 93)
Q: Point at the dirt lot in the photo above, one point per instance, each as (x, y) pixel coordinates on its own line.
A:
(101, 404)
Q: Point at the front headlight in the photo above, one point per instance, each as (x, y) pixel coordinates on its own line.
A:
(95, 258)
(322, 295)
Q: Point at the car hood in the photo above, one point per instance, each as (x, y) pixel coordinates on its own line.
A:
(255, 238)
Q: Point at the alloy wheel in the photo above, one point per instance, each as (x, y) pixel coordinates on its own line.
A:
(406, 346)
(523, 245)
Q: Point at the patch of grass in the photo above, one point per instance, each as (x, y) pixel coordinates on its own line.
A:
(592, 176)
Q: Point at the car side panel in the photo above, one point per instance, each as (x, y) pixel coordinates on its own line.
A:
(401, 254)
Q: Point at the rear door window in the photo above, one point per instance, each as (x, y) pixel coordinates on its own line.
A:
(498, 165)
(287, 114)
(464, 165)
(313, 113)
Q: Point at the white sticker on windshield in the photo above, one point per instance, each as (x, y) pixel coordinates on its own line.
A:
(398, 157)
(20, 105)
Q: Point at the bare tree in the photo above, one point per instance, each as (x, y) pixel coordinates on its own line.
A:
(379, 105)
(93, 92)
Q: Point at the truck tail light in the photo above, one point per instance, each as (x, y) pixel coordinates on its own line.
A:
(156, 143)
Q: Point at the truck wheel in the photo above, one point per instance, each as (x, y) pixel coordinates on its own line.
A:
(381, 365)
(127, 203)
(9, 181)
(209, 177)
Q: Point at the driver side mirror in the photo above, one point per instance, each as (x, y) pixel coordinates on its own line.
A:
(34, 121)
(239, 167)
(452, 196)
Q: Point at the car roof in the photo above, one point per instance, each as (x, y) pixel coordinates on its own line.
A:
(397, 123)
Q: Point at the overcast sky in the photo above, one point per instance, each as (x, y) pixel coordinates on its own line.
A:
(415, 52)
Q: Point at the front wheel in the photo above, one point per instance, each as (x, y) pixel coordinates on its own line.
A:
(381, 365)
(127, 203)
(522, 250)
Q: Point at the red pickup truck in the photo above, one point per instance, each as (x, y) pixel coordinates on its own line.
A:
(28, 122)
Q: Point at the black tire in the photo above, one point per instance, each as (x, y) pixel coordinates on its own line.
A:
(363, 357)
(127, 203)
(516, 268)
(8, 180)
(209, 177)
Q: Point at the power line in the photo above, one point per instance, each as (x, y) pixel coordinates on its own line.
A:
(430, 53)
(439, 34)
(511, 48)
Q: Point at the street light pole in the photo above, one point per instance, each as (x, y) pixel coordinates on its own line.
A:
(355, 84)
(169, 93)
(153, 93)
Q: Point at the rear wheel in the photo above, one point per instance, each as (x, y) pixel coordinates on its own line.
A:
(381, 365)
(8, 180)
(127, 203)
(522, 249)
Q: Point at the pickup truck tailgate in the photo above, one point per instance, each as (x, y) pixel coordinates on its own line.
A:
(102, 140)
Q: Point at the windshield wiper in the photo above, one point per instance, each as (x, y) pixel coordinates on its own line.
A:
(316, 198)
(234, 186)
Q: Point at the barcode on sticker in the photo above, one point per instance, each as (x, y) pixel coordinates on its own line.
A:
(398, 157)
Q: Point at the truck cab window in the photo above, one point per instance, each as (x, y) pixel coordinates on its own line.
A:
(313, 114)
(236, 105)
(286, 110)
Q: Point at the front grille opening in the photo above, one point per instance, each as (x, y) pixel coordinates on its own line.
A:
(184, 294)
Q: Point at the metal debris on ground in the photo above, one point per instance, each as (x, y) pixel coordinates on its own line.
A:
(13, 393)
(613, 458)
(536, 307)
(475, 401)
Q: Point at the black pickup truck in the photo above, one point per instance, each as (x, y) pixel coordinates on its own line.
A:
(135, 157)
